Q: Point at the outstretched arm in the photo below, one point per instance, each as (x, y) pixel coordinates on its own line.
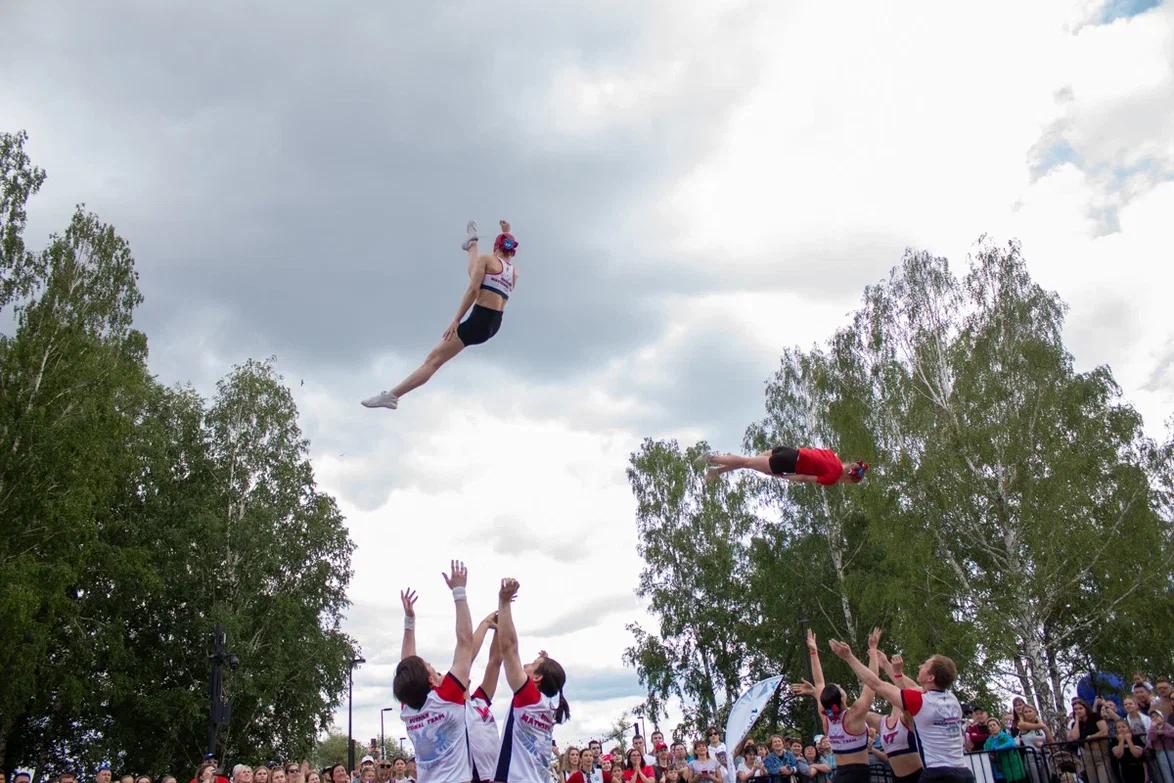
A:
(493, 667)
(895, 669)
(408, 599)
(816, 666)
(868, 678)
(476, 273)
(462, 656)
(801, 477)
(507, 635)
(867, 693)
(481, 630)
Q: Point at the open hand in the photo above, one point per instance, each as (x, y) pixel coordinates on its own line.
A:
(408, 599)
(459, 577)
(490, 620)
(505, 225)
(803, 688)
(874, 638)
(451, 332)
(812, 645)
(509, 589)
(840, 649)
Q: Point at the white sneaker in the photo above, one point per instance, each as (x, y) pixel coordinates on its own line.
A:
(382, 400)
(471, 230)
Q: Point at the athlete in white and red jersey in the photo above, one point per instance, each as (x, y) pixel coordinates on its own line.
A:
(484, 741)
(936, 713)
(434, 706)
(846, 727)
(537, 706)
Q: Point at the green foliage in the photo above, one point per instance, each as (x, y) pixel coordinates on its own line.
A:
(133, 518)
(1016, 518)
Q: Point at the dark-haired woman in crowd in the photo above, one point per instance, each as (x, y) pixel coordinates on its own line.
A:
(1092, 732)
(846, 726)
(635, 770)
(538, 702)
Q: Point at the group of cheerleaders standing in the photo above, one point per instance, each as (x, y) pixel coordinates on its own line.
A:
(923, 733)
(453, 732)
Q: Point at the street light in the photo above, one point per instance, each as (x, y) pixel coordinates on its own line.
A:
(350, 699)
(219, 714)
(382, 744)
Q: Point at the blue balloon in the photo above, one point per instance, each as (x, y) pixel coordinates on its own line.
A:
(1107, 685)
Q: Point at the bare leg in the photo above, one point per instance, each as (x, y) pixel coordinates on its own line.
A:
(473, 254)
(727, 462)
(436, 359)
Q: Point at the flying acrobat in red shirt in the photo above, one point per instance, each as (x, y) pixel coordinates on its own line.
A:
(815, 466)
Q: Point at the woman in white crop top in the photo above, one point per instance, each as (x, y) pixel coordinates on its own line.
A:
(846, 727)
(492, 279)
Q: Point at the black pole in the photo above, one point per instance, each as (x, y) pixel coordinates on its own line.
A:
(350, 699)
(216, 687)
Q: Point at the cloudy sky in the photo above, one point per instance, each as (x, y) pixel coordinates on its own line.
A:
(694, 186)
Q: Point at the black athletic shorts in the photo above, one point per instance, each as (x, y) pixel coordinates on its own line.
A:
(783, 459)
(850, 773)
(947, 775)
(912, 777)
(481, 324)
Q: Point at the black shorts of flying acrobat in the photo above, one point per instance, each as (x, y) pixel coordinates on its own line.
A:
(482, 323)
(783, 459)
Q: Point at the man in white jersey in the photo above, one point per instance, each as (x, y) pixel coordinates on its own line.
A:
(434, 706)
(936, 713)
(484, 741)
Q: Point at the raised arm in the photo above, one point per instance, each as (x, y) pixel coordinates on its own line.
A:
(868, 678)
(408, 599)
(462, 656)
(493, 666)
(476, 273)
(895, 669)
(481, 630)
(867, 693)
(507, 635)
(816, 667)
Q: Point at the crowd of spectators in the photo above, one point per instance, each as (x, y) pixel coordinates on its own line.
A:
(1109, 741)
(1130, 740)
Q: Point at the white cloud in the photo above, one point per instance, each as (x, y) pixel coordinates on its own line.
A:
(855, 130)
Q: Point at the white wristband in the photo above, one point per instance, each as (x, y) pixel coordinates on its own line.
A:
(409, 623)
(458, 594)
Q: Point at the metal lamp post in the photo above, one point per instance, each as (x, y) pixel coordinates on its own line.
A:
(350, 700)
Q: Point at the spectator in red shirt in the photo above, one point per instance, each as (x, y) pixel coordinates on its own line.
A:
(635, 770)
(813, 466)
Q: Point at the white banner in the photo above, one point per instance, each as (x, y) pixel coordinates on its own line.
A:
(744, 714)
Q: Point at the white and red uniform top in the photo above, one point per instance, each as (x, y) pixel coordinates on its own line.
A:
(843, 741)
(937, 716)
(438, 734)
(525, 744)
(484, 741)
(897, 740)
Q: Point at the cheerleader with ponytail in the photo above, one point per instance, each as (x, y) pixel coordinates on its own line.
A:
(538, 702)
(846, 726)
